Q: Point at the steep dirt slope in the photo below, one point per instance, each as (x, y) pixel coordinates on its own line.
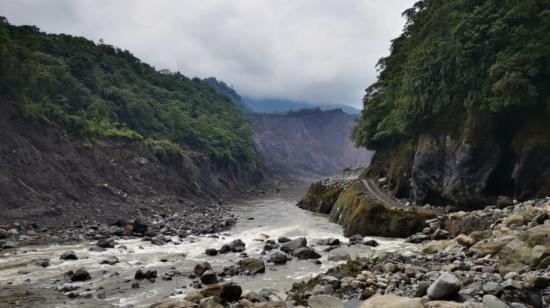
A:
(50, 178)
(307, 144)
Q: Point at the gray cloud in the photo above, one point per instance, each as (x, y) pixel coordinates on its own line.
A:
(322, 51)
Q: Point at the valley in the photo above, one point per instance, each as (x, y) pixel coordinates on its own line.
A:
(127, 185)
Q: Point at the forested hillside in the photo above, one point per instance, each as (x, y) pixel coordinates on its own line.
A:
(461, 107)
(91, 89)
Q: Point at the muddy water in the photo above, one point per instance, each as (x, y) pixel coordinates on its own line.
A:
(274, 216)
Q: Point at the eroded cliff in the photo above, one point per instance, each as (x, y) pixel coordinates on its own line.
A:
(307, 144)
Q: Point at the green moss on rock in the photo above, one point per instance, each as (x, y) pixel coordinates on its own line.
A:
(359, 213)
(320, 198)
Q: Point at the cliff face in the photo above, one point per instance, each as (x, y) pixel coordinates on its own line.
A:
(472, 164)
(50, 178)
(308, 144)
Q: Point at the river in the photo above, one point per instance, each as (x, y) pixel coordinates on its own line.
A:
(272, 215)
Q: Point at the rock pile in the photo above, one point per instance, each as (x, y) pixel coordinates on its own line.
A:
(495, 257)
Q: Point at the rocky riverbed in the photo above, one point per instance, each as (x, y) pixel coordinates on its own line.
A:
(267, 252)
(495, 257)
(137, 263)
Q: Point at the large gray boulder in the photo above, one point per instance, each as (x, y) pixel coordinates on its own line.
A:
(306, 253)
(277, 258)
(444, 287)
(294, 244)
(491, 301)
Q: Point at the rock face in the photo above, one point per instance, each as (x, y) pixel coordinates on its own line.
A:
(362, 211)
(468, 166)
(309, 144)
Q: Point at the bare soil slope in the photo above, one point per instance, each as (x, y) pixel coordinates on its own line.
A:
(307, 145)
(49, 177)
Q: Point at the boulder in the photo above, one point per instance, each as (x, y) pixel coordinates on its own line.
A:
(530, 249)
(444, 287)
(283, 239)
(212, 290)
(392, 301)
(539, 235)
(210, 302)
(329, 242)
(514, 256)
(306, 253)
(435, 246)
(43, 262)
(211, 252)
(80, 275)
(110, 261)
(468, 224)
(209, 277)
(231, 292)
(150, 275)
(68, 255)
(252, 265)
(465, 240)
(481, 235)
(514, 220)
(504, 202)
(194, 297)
(324, 301)
(106, 243)
(237, 245)
(491, 301)
(202, 267)
(491, 246)
(372, 243)
(538, 281)
(277, 258)
(294, 244)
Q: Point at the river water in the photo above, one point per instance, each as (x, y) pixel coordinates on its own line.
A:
(273, 216)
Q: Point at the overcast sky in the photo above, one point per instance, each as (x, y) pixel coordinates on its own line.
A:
(322, 51)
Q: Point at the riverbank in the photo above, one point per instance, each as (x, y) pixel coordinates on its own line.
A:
(495, 257)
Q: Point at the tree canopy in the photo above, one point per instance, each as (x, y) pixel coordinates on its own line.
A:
(455, 58)
(94, 89)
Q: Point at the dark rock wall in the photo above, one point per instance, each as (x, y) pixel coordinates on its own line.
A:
(470, 165)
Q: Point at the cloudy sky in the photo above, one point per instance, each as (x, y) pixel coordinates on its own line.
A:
(313, 50)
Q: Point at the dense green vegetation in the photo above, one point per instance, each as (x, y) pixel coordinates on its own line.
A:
(96, 89)
(455, 59)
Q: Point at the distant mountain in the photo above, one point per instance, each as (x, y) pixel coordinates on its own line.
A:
(307, 144)
(284, 105)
